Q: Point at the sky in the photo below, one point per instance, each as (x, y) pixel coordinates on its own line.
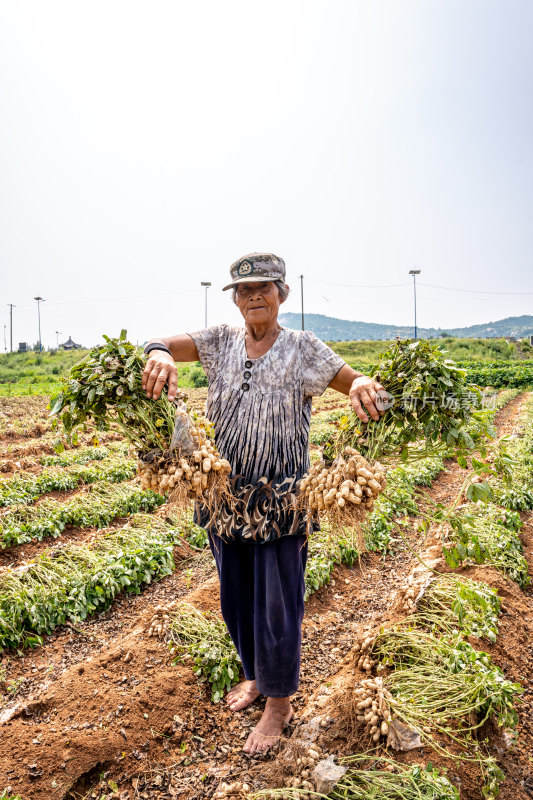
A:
(145, 146)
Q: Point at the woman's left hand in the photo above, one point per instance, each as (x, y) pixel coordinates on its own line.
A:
(364, 392)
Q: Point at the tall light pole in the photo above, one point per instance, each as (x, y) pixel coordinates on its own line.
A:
(57, 337)
(5, 342)
(11, 307)
(39, 301)
(207, 284)
(414, 273)
(302, 297)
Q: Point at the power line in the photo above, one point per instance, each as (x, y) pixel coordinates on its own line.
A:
(469, 291)
(360, 285)
(430, 285)
(113, 299)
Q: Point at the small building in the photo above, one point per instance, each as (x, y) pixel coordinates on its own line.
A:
(69, 345)
(23, 347)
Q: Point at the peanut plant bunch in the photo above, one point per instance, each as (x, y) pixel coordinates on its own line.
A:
(106, 387)
(449, 602)
(177, 455)
(429, 399)
(372, 778)
(203, 637)
(438, 681)
(483, 533)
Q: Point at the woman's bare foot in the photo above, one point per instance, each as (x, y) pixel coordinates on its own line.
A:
(242, 695)
(267, 732)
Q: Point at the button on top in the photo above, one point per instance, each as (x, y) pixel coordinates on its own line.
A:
(247, 374)
(248, 364)
(245, 387)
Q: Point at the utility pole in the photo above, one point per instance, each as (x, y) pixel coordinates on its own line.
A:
(302, 295)
(57, 337)
(414, 273)
(5, 342)
(11, 307)
(39, 301)
(207, 284)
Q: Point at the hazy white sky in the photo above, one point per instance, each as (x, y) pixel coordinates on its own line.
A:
(144, 146)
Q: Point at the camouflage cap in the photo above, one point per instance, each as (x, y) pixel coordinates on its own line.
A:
(256, 268)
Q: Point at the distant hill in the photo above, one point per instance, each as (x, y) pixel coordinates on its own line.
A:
(343, 330)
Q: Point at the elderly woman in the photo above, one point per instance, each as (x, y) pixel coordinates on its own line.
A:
(262, 378)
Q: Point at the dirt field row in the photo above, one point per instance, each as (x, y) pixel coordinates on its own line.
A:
(100, 711)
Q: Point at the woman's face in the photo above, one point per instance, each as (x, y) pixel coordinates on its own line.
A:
(258, 302)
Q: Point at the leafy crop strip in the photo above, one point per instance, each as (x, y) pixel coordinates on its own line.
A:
(95, 508)
(71, 582)
(487, 533)
(68, 457)
(25, 489)
(516, 491)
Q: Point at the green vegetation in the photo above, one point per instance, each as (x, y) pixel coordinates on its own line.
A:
(515, 491)
(451, 601)
(377, 778)
(487, 362)
(479, 350)
(484, 534)
(74, 581)
(95, 508)
(41, 373)
(204, 638)
(432, 403)
(23, 489)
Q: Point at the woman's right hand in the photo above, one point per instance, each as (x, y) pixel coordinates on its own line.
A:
(160, 369)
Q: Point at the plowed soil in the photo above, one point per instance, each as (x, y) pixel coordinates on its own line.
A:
(100, 711)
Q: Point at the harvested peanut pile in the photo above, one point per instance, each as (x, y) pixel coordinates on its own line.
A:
(193, 477)
(372, 708)
(364, 648)
(346, 490)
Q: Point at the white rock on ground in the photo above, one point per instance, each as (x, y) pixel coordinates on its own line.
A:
(326, 774)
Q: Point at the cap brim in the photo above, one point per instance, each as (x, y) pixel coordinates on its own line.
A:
(250, 279)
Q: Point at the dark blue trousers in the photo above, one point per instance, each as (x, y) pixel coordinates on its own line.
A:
(262, 603)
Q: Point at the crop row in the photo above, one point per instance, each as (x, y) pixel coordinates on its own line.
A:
(25, 489)
(83, 455)
(516, 492)
(95, 508)
(76, 580)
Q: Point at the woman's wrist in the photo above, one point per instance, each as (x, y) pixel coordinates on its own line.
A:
(156, 346)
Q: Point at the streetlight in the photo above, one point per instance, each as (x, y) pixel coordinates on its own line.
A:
(414, 273)
(207, 284)
(302, 296)
(57, 337)
(39, 301)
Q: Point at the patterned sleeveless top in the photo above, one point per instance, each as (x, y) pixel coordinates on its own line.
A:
(261, 411)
